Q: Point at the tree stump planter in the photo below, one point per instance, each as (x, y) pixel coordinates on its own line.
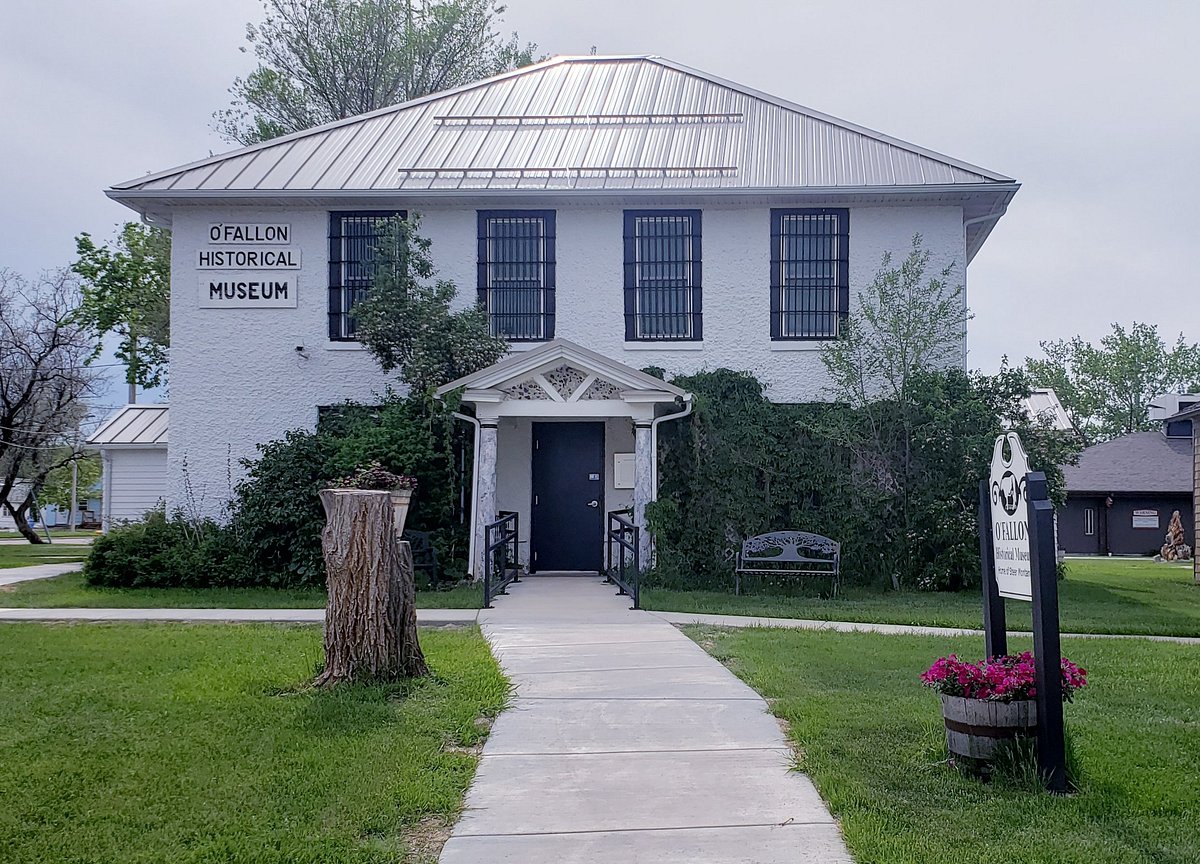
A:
(371, 614)
(977, 728)
(400, 502)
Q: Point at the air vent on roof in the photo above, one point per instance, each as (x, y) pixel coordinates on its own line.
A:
(583, 119)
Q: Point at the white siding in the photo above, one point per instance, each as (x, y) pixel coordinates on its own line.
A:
(138, 483)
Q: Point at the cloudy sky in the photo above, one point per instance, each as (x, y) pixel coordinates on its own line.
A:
(1093, 106)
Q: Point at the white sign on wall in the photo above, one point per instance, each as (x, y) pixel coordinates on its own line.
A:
(248, 291)
(1145, 518)
(242, 233)
(238, 258)
(1010, 519)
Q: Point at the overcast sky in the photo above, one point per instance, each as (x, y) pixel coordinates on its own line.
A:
(1092, 106)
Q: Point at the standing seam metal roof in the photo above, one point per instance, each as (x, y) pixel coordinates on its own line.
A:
(576, 123)
(134, 426)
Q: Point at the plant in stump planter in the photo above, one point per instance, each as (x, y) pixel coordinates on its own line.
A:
(375, 476)
(985, 705)
(371, 615)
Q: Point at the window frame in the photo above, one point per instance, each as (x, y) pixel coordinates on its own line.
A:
(1089, 521)
(841, 278)
(339, 329)
(549, 241)
(694, 288)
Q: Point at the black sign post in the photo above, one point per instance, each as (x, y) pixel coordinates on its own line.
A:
(995, 628)
(1047, 650)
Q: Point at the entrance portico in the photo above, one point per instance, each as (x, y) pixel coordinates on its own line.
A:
(564, 435)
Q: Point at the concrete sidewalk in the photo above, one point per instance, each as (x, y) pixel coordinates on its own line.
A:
(428, 617)
(13, 575)
(626, 742)
(680, 618)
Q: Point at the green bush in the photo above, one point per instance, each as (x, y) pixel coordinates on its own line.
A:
(896, 485)
(273, 536)
(162, 551)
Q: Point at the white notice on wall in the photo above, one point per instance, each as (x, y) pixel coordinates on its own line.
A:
(252, 258)
(232, 233)
(1145, 519)
(1010, 519)
(248, 291)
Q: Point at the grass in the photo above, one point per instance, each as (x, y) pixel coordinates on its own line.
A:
(1103, 595)
(871, 739)
(27, 554)
(70, 590)
(201, 743)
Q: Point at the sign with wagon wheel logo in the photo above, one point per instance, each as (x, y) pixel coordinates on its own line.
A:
(1010, 518)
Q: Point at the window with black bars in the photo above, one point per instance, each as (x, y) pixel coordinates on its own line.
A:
(810, 287)
(516, 273)
(352, 241)
(662, 275)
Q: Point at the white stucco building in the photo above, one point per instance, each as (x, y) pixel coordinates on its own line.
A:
(611, 213)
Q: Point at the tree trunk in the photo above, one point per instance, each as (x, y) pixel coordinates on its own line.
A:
(371, 615)
(20, 517)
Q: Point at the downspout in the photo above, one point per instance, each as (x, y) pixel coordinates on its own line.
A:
(654, 441)
(474, 490)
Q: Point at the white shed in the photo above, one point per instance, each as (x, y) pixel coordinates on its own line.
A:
(133, 452)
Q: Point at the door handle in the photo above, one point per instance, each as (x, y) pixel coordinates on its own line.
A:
(593, 503)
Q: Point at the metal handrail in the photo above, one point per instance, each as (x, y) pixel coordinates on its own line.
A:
(624, 569)
(501, 566)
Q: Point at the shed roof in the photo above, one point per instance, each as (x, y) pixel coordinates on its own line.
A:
(634, 124)
(1141, 462)
(133, 426)
(1043, 405)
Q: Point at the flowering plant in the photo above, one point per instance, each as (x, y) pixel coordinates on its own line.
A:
(1000, 679)
(375, 476)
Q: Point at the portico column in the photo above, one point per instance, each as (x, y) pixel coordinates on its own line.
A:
(643, 483)
(485, 496)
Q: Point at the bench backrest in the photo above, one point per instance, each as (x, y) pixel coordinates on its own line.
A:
(781, 547)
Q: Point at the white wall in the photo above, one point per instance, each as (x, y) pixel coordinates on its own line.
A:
(138, 482)
(237, 380)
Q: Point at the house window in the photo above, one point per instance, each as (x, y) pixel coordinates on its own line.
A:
(516, 272)
(662, 275)
(810, 288)
(1089, 521)
(352, 241)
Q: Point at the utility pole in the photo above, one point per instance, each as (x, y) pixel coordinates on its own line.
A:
(71, 520)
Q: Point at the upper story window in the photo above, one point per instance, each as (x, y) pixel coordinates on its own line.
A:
(662, 275)
(352, 241)
(516, 272)
(810, 287)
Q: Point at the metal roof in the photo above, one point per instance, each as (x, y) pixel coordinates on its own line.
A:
(133, 426)
(580, 124)
(1141, 462)
(1043, 405)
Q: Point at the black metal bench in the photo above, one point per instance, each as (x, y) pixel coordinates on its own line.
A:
(424, 554)
(789, 553)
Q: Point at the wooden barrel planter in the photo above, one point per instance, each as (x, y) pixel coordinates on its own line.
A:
(975, 728)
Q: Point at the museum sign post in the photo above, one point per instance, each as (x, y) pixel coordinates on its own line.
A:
(1019, 561)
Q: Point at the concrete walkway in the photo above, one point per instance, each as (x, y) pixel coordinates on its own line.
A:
(626, 742)
(13, 575)
(680, 618)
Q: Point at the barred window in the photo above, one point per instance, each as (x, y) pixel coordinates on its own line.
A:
(810, 288)
(662, 275)
(516, 272)
(352, 241)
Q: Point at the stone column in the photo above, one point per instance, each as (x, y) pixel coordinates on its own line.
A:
(485, 494)
(643, 483)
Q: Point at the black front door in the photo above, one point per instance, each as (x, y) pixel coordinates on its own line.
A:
(567, 530)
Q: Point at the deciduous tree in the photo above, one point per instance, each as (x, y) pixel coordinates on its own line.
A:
(1106, 389)
(127, 292)
(325, 60)
(43, 382)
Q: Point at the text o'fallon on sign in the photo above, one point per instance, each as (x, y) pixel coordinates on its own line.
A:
(1010, 519)
(249, 232)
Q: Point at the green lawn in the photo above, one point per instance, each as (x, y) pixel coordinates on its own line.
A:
(201, 743)
(1103, 595)
(26, 554)
(70, 590)
(870, 736)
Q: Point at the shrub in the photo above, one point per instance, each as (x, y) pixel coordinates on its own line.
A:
(162, 551)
